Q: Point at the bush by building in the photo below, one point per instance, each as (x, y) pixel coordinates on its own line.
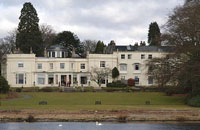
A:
(117, 84)
(131, 82)
(4, 87)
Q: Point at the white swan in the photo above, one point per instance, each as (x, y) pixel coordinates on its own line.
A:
(99, 124)
(60, 125)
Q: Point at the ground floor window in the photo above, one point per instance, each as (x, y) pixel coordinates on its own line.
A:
(41, 78)
(50, 79)
(75, 79)
(150, 80)
(20, 79)
(83, 79)
(137, 80)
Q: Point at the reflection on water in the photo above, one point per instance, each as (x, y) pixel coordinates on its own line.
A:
(93, 126)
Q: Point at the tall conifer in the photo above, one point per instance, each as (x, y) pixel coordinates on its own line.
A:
(29, 35)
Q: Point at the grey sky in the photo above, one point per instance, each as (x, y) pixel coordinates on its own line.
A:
(125, 21)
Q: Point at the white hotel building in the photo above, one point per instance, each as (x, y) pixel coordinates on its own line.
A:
(55, 69)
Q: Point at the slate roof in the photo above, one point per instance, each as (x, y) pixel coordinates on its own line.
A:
(144, 48)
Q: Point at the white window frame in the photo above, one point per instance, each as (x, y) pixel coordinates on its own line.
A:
(123, 56)
(62, 65)
(39, 66)
(129, 56)
(82, 66)
(123, 67)
(41, 76)
(142, 56)
(150, 56)
(51, 65)
(20, 65)
(102, 64)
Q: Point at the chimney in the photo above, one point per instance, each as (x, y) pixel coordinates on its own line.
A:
(45, 52)
(31, 50)
(73, 52)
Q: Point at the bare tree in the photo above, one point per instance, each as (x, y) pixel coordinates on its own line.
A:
(48, 34)
(89, 45)
(100, 74)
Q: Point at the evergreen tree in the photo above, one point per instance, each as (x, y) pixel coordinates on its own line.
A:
(115, 73)
(29, 35)
(154, 34)
(99, 47)
(70, 41)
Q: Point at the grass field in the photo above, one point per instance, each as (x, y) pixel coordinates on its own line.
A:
(86, 101)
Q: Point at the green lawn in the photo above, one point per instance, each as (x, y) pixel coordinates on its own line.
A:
(86, 101)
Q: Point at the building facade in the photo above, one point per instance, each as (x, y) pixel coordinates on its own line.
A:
(56, 69)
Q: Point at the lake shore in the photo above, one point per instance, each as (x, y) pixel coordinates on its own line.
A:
(101, 115)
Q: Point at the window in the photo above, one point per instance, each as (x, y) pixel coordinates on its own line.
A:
(137, 66)
(62, 65)
(122, 56)
(49, 53)
(20, 65)
(150, 80)
(103, 81)
(82, 66)
(83, 79)
(58, 54)
(123, 77)
(137, 80)
(72, 66)
(39, 66)
(75, 79)
(50, 79)
(53, 54)
(123, 67)
(63, 54)
(150, 56)
(142, 56)
(41, 78)
(51, 65)
(102, 64)
(19, 78)
(129, 56)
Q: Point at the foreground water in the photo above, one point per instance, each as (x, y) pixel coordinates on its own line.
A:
(93, 126)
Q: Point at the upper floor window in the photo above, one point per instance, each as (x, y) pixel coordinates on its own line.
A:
(82, 66)
(129, 56)
(20, 65)
(150, 56)
(39, 66)
(137, 66)
(62, 65)
(142, 56)
(122, 56)
(102, 64)
(51, 65)
(72, 66)
(123, 67)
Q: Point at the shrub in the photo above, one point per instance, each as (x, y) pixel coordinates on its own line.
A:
(170, 90)
(194, 101)
(49, 89)
(4, 87)
(131, 82)
(30, 118)
(118, 84)
(115, 73)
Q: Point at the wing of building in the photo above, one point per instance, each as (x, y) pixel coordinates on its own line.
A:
(56, 69)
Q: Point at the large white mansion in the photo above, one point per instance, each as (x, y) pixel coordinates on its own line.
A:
(54, 69)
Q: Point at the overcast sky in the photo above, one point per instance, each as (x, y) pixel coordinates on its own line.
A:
(125, 21)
